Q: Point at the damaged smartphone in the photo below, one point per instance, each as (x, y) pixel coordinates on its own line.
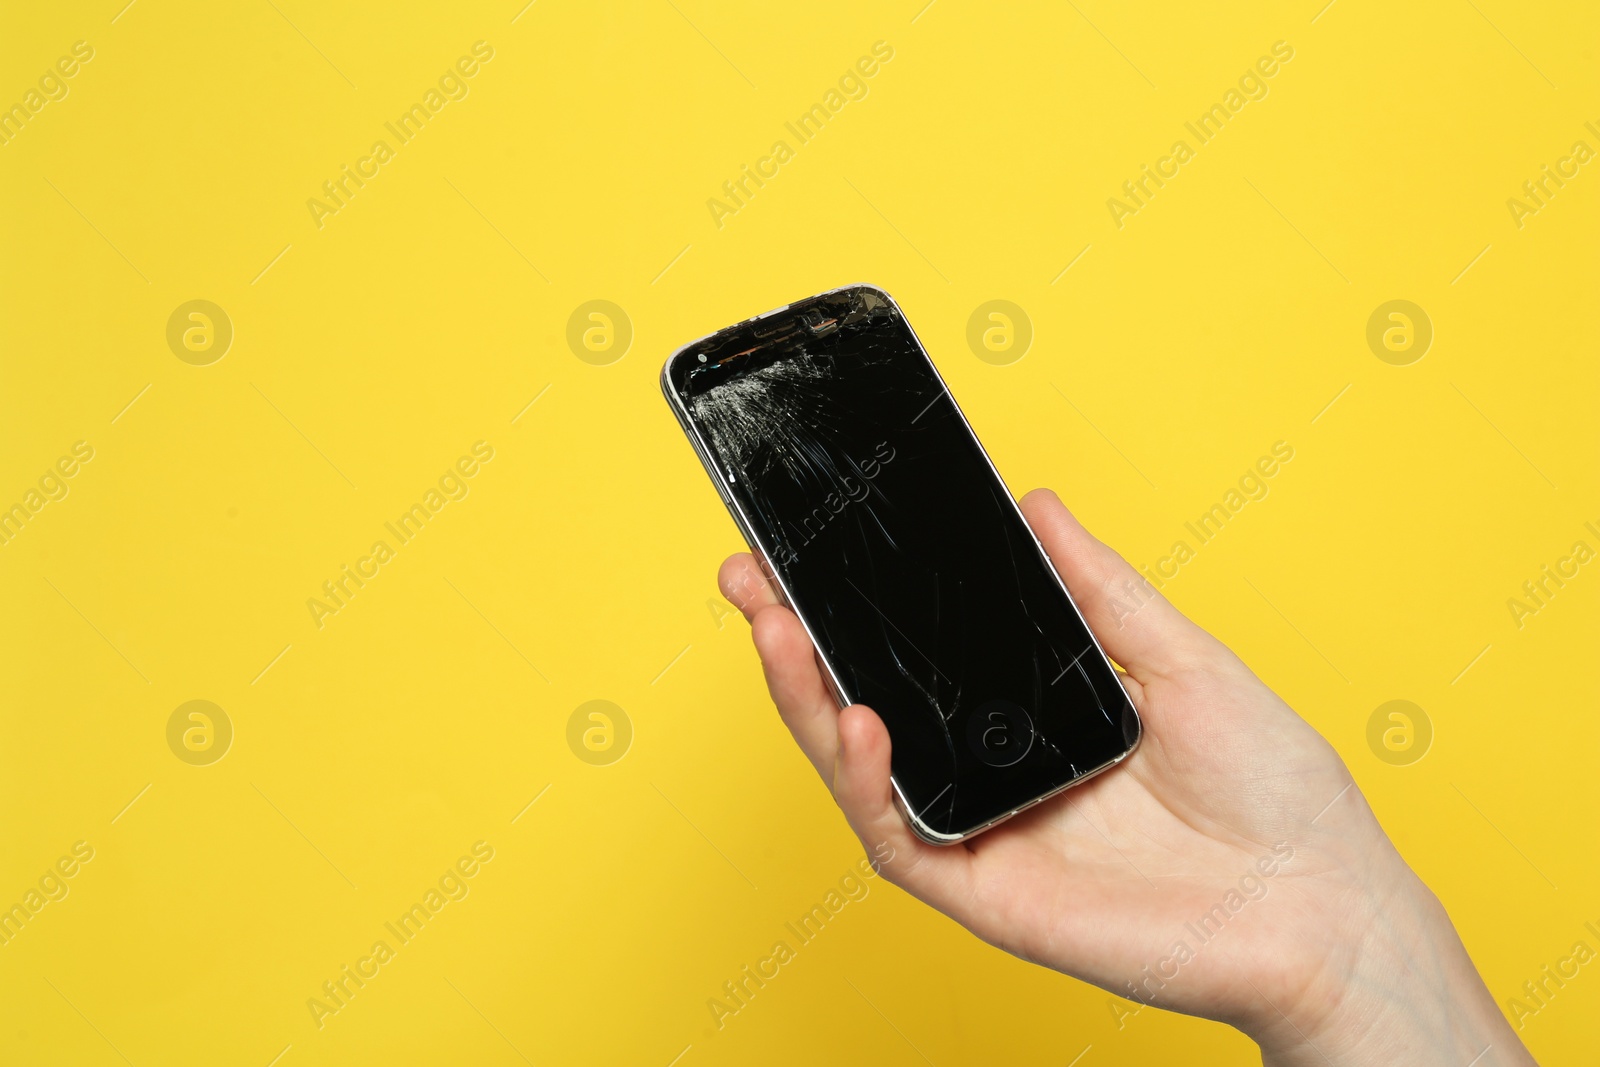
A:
(883, 524)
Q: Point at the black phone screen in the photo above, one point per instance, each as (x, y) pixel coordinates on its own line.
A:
(905, 556)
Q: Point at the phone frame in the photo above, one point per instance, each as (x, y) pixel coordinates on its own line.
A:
(830, 678)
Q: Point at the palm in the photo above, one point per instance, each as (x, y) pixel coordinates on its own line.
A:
(1105, 880)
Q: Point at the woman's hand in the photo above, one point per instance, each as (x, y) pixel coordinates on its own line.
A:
(1229, 868)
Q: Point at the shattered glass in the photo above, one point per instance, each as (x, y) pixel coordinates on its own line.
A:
(927, 595)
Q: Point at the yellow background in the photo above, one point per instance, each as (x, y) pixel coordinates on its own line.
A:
(1226, 315)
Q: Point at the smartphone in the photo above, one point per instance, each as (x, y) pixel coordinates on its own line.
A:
(883, 524)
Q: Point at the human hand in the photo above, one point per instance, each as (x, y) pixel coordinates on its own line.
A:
(1228, 868)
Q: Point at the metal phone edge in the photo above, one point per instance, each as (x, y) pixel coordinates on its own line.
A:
(923, 831)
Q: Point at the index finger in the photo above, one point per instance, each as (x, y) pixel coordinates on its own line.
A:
(743, 583)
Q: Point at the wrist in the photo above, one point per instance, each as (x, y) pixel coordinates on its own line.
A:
(1394, 984)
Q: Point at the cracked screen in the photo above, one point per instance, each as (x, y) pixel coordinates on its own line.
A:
(904, 555)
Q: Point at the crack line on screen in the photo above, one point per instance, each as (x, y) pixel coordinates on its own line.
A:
(789, 406)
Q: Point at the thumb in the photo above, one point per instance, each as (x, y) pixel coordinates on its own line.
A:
(1134, 623)
(940, 876)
